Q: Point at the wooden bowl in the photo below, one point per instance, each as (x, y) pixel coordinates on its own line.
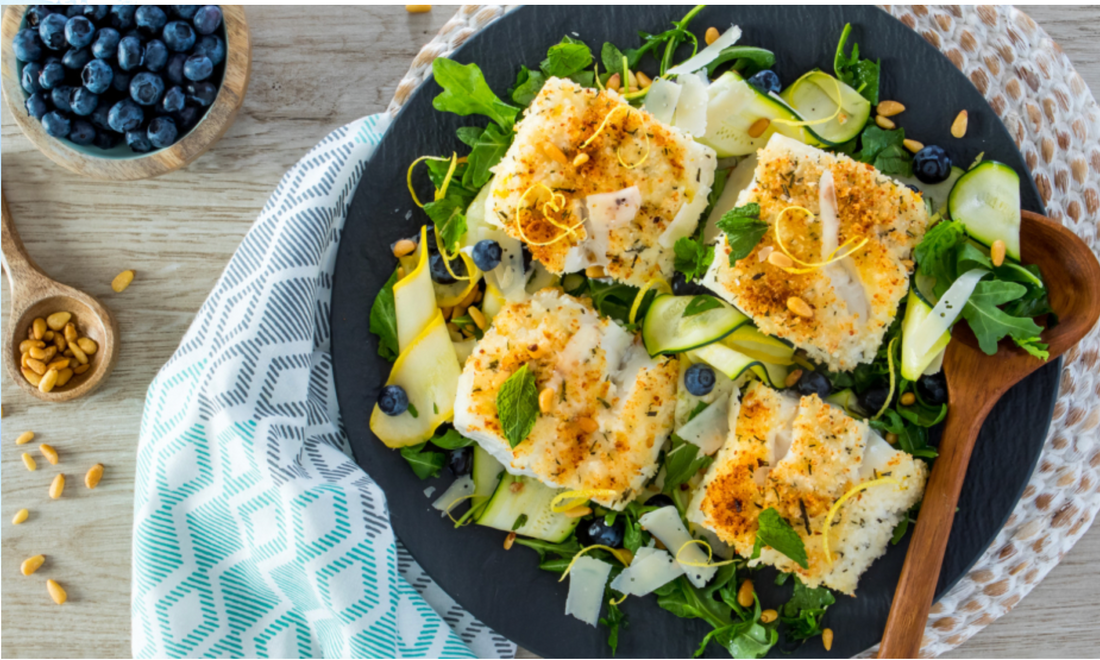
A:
(217, 120)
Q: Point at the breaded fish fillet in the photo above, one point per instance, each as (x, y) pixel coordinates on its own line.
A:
(592, 181)
(613, 405)
(853, 300)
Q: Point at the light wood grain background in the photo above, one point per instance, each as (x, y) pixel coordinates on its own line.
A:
(313, 70)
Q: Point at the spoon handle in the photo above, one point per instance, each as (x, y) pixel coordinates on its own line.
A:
(18, 265)
(917, 585)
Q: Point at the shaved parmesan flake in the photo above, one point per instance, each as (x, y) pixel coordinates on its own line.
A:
(429, 491)
(650, 570)
(586, 583)
(709, 429)
(606, 212)
(708, 54)
(665, 524)
(946, 310)
(451, 497)
(661, 99)
(691, 111)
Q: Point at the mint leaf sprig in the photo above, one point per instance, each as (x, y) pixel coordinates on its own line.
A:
(518, 406)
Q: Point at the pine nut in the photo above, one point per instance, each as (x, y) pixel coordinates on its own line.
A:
(50, 334)
(764, 253)
(403, 247)
(711, 35)
(68, 352)
(400, 272)
(87, 345)
(546, 400)
(614, 82)
(20, 517)
(552, 150)
(595, 271)
(509, 540)
(758, 127)
(892, 438)
(70, 332)
(25, 438)
(60, 342)
(644, 80)
(478, 317)
(800, 307)
(56, 592)
(515, 487)
(827, 638)
(456, 336)
(908, 399)
(48, 382)
(588, 425)
(780, 260)
(37, 353)
(29, 461)
(884, 123)
(581, 159)
(469, 299)
(745, 594)
(31, 376)
(122, 280)
(28, 345)
(577, 512)
(767, 616)
(958, 127)
(39, 327)
(912, 145)
(632, 80)
(50, 352)
(890, 108)
(81, 369)
(997, 252)
(49, 452)
(56, 486)
(95, 473)
(458, 311)
(78, 353)
(58, 364)
(32, 564)
(23, 359)
(793, 378)
(36, 366)
(57, 320)
(418, 9)
(63, 377)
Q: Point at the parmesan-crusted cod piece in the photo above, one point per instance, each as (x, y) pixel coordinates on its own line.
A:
(855, 299)
(613, 405)
(637, 187)
(800, 456)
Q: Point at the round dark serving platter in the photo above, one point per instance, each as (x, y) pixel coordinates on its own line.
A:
(506, 590)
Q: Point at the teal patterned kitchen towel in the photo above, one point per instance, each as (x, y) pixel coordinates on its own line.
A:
(255, 533)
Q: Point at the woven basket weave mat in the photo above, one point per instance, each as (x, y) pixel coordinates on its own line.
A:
(1054, 119)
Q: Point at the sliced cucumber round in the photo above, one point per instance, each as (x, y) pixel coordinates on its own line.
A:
(486, 472)
(667, 330)
(733, 107)
(734, 363)
(749, 341)
(813, 96)
(529, 506)
(987, 201)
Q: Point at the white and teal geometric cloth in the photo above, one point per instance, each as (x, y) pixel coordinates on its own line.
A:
(255, 533)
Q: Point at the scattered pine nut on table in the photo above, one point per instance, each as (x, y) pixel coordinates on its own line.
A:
(122, 280)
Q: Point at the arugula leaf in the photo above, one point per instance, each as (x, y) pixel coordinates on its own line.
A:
(700, 304)
(903, 525)
(687, 602)
(777, 533)
(969, 256)
(884, 150)
(449, 216)
(743, 229)
(989, 323)
(912, 439)
(861, 75)
(894, 161)
(612, 57)
(518, 405)
(425, 464)
(451, 440)
(747, 60)
(465, 92)
(681, 463)
(383, 320)
(614, 299)
(566, 58)
(487, 148)
(936, 253)
(633, 536)
(567, 548)
(1034, 346)
(527, 86)
(804, 611)
(612, 621)
(693, 258)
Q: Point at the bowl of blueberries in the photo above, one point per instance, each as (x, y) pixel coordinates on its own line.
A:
(125, 92)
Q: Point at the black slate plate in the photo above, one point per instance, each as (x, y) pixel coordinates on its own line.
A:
(506, 590)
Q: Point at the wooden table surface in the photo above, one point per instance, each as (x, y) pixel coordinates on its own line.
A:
(313, 70)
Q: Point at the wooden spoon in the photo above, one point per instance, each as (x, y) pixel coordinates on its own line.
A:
(35, 295)
(975, 381)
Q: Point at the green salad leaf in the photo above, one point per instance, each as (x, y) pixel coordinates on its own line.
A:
(700, 304)
(744, 229)
(693, 257)
(861, 75)
(747, 60)
(566, 58)
(777, 534)
(518, 405)
(527, 86)
(912, 438)
(487, 147)
(425, 464)
(614, 619)
(1034, 346)
(451, 440)
(883, 149)
(991, 324)
(803, 612)
(681, 463)
(449, 216)
(383, 320)
(465, 92)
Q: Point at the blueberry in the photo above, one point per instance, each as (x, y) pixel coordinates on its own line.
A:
(36, 13)
(121, 82)
(873, 398)
(53, 74)
(933, 389)
(99, 117)
(439, 272)
(173, 100)
(130, 53)
(162, 132)
(699, 379)
(138, 140)
(174, 69)
(96, 13)
(186, 12)
(82, 132)
(147, 88)
(461, 461)
(105, 45)
(73, 10)
(393, 400)
(207, 19)
(198, 67)
(179, 36)
(122, 16)
(932, 164)
(150, 19)
(813, 382)
(913, 188)
(213, 47)
(29, 77)
(204, 93)
(37, 105)
(79, 32)
(187, 118)
(97, 76)
(27, 46)
(156, 55)
(107, 139)
(51, 30)
(56, 124)
(659, 500)
(75, 59)
(125, 116)
(766, 80)
(62, 98)
(598, 532)
(487, 254)
(84, 102)
(681, 287)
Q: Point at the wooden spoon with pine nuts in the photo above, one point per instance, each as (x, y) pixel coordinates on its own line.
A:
(34, 296)
(975, 381)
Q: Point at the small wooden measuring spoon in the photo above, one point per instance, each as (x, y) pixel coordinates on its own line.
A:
(35, 295)
(975, 381)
